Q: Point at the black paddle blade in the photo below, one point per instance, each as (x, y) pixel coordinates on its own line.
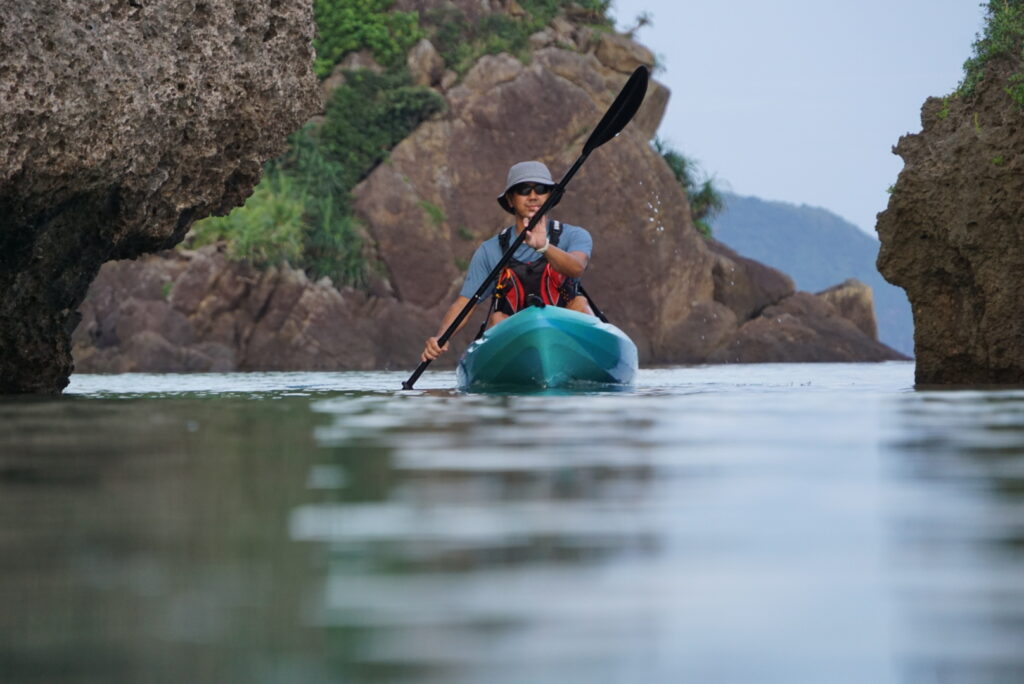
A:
(622, 110)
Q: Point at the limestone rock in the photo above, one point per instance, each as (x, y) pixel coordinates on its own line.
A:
(426, 66)
(802, 327)
(197, 311)
(746, 286)
(123, 123)
(542, 39)
(951, 235)
(854, 301)
(622, 54)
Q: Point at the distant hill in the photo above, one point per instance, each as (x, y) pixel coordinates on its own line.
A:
(818, 249)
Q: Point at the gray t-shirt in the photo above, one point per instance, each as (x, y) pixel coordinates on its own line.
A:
(487, 255)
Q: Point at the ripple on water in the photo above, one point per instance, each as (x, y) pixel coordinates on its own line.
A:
(769, 523)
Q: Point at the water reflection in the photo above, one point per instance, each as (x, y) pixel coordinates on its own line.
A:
(765, 524)
(959, 535)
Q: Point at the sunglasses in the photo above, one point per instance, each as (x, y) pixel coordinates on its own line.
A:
(525, 189)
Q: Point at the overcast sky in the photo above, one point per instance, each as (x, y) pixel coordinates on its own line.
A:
(802, 100)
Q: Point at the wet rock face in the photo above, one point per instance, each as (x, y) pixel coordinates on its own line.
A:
(124, 122)
(194, 311)
(951, 236)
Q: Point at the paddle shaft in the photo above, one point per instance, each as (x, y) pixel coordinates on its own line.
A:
(552, 200)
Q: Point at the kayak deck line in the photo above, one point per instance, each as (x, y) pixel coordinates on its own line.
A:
(549, 348)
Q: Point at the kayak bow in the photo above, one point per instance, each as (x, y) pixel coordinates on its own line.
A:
(548, 348)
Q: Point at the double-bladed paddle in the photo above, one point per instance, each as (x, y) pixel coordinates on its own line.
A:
(614, 120)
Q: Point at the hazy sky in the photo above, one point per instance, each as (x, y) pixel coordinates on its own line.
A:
(802, 100)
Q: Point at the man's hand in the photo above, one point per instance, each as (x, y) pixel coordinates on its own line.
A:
(536, 238)
(432, 350)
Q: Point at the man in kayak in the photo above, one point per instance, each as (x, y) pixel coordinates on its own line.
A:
(548, 264)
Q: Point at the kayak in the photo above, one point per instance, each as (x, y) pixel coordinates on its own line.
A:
(547, 347)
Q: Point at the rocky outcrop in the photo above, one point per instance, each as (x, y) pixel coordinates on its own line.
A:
(189, 311)
(184, 311)
(854, 301)
(951, 235)
(124, 122)
(801, 327)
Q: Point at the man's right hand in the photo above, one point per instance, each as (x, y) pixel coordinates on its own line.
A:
(432, 350)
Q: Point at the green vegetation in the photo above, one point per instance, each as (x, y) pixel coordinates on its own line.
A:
(369, 115)
(301, 212)
(435, 213)
(1002, 37)
(705, 198)
(1015, 89)
(350, 25)
(266, 230)
(462, 41)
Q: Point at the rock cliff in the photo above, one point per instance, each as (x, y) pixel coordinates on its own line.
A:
(187, 311)
(123, 122)
(182, 311)
(951, 235)
(682, 298)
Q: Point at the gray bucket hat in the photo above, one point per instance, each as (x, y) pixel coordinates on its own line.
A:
(524, 172)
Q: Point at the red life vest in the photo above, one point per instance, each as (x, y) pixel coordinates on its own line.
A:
(521, 279)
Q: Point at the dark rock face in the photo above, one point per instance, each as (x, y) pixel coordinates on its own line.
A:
(123, 123)
(856, 302)
(197, 311)
(186, 311)
(951, 236)
(802, 327)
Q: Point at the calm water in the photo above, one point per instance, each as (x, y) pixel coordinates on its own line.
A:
(772, 523)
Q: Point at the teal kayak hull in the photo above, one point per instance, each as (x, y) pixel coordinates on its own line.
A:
(548, 348)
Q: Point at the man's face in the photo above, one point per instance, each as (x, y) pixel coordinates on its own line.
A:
(528, 204)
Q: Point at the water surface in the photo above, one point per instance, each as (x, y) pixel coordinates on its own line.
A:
(768, 523)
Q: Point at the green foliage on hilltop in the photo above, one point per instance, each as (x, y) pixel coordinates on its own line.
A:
(704, 196)
(461, 41)
(345, 26)
(1001, 37)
